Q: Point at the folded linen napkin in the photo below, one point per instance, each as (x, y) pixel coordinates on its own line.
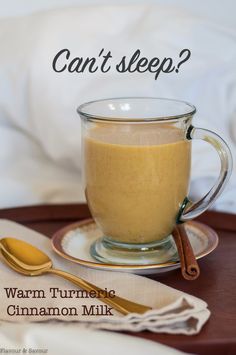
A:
(49, 338)
(173, 311)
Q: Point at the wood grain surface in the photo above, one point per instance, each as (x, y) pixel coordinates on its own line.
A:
(216, 284)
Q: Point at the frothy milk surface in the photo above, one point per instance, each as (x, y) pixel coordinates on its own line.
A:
(137, 176)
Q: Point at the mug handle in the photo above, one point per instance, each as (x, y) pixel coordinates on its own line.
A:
(189, 209)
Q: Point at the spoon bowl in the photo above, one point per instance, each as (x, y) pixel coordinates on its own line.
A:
(26, 258)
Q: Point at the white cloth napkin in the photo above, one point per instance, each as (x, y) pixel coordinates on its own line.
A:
(173, 311)
(74, 339)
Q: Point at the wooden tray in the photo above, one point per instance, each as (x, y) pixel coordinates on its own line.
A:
(216, 284)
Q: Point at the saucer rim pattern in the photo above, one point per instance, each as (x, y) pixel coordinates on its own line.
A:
(58, 237)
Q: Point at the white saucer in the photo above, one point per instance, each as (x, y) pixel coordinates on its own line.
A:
(73, 243)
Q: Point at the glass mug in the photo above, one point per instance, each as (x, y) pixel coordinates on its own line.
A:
(136, 166)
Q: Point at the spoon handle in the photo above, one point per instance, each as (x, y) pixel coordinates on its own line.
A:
(120, 304)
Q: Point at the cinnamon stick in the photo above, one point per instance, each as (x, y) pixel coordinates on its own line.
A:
(189, 266)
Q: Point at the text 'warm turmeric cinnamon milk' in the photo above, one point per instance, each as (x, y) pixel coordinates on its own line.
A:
(137, 177)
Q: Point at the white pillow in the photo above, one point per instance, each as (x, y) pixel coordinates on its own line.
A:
(38, 106)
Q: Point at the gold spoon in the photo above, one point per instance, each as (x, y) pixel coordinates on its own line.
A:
(28, 260)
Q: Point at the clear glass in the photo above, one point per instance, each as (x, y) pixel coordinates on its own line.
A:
(136, 165)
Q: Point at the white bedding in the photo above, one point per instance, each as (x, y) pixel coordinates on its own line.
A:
(39, 126)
